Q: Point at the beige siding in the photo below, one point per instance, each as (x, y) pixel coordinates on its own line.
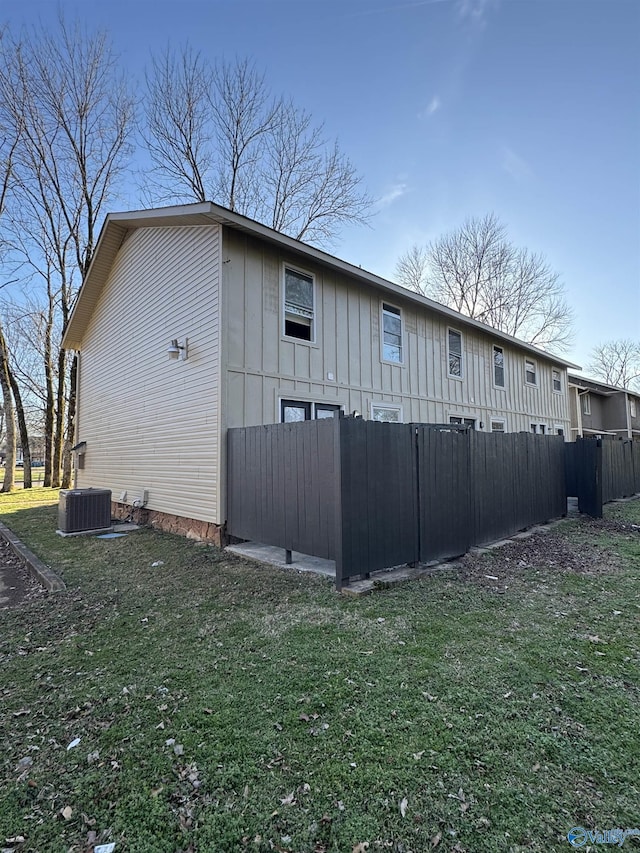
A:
(151, 422)
(262, 366)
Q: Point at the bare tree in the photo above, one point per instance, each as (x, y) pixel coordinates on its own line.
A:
(217, 133)
(64, 90)
(478, 271)
(412, 268)
(10, 134)
(617, 363)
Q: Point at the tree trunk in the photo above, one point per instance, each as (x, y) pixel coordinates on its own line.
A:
(71, 426)
(22, 426)
(10, 460)
(49, 407)
(58, 440)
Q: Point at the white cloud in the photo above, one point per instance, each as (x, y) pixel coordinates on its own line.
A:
(398, 189)
(515, 165)
(474, 10)
(433, 105)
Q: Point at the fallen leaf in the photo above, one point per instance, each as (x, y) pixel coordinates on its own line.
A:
(304, 718)
(436, 839)
(403, 806)
(418, 755)
(362, 847)
(73, 743)
(289, 800)
(156, 791)
(594, 638)
(536, 767)
(66, 812)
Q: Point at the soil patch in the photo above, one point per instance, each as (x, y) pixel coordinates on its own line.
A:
(17, 584)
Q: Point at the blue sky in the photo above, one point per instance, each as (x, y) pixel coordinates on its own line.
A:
(449, 108)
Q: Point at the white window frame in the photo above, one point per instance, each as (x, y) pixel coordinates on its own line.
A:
(394, 308)
(543, 429)
(391, 407)
(502, 421)
(314, 320)
(532, 361)
(557, 427)
(454, 375)
(533, 428)
(633, 410)
(554, 371)
(493, 367)
(585, 404)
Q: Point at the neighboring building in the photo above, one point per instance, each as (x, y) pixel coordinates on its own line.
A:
(263, 328)
(600, 409)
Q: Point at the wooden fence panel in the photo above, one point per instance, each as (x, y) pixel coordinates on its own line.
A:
(635, 455)
(618, 480)
(518, 480)
(282, 486)
(378, 497)
(444, 488)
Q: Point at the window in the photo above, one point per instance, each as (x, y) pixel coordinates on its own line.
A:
(557, 380)
(586, 403)
(498, 367)
(632, 407)
(530, 372)
(543, 429)
(498, 425)
(301, 410)
(534, 428)
(388, 414)
(455, 353)
(299, 309)
(539, 429)
(391, 333)
(456, 419)
(559, 429)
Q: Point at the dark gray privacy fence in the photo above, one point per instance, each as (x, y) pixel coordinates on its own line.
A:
(599, 470)
(371, 495)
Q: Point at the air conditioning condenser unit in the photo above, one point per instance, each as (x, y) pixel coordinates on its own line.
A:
(82, 510)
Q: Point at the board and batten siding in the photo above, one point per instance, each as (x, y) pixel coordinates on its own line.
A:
(151, 422)
(344, 365)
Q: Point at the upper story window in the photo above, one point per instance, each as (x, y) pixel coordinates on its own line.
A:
(530, 372)
(391, 333)
(299, 305)
(454, 353)
(632, 407)
(498, 367)
(557, 380)
(586, 404)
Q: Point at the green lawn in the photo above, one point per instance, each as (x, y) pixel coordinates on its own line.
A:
(223, 707)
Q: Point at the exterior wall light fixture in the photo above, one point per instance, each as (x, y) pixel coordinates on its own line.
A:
(178, 350)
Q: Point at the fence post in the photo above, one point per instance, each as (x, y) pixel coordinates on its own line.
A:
(337, 503)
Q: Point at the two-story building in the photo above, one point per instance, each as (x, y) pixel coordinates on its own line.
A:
(194, 319)
(600, 409)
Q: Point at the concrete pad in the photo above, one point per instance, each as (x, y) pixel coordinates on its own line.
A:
(277, 557)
